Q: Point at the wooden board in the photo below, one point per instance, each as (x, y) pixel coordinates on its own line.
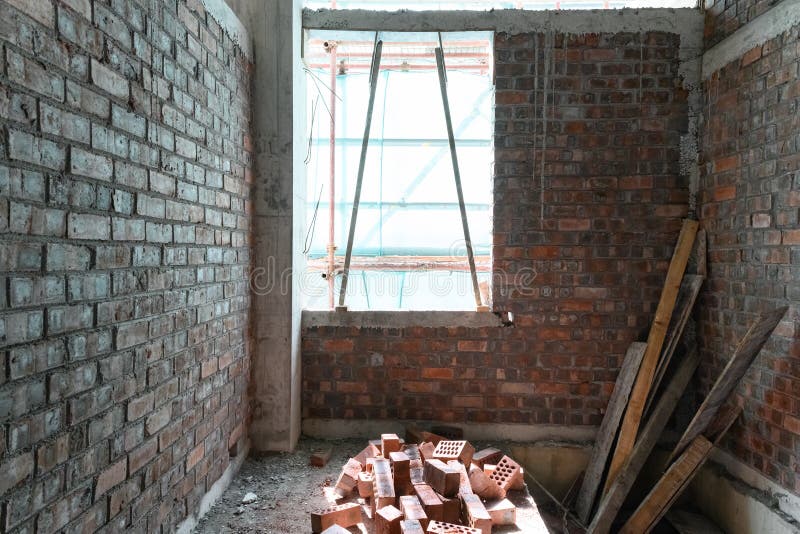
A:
(701, 254)
(607, 433)
(668, 487)
(655, 341)
(687, 522)
(687, 296)
(615, 497)
(729, 379)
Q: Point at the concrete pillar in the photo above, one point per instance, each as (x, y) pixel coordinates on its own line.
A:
(278, 101)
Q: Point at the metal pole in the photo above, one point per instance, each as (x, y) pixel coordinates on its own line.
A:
(457, 173)
(373, 82)
(332, 183)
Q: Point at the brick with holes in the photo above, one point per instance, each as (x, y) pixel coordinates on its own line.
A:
(483, 486)
(431, 502)
(474, 513)
(442, 478)
(439, 527)
(412, 509)
(454, 450)
(505, 473)
(344, 515)
(348, 478)
(387, 520)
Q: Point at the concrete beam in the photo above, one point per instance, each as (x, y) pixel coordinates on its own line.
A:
(230, 24)
(768, 25)
(400, 319)
(576, 21)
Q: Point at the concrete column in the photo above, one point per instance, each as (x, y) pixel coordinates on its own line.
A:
(278, 101)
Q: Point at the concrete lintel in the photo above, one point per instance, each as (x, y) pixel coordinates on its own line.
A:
(215, 491)
(576, 21)
(359, 428)
(400, 319)
(761, 29)
(230, 24)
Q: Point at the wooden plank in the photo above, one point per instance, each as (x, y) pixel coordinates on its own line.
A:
(687, 296)
(615, 497)
(687, 522)
(701, 254)
(668, 487)
(746, 351)
(658, 503)
(608, 430)
(655, 341)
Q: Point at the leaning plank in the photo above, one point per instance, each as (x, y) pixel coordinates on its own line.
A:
(655, 341)
(614, 498)
(745, 353)
(679, 476)
(687, 295)
(668, 487)
(608, 430)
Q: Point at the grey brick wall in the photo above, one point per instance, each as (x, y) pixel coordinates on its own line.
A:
(124, 257)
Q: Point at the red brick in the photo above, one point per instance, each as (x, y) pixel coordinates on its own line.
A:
(110, 477)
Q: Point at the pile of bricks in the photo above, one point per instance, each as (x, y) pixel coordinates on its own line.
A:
(435, 485)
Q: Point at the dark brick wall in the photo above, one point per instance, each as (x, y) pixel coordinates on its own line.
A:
(599, 246)
(723, 17)
(124, 184)
(750, 199)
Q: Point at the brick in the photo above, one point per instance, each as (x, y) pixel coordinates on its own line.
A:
(431, 503)
(83, 163)
(86, 100)
(53, 454)
(387, 520)
(502, 512)
(412, 509)
(30, 74)
(344, 515)
(383, 493)
(365, 484)
(487, 456)
(440, 527)
(84, 226)
(195, 456)
(42, 12)
(141, 456)
(464, 486)
(320, 458)
(460, 450)
(127, 229)
(475, 513)
(158, 420)
(15, 470)
(443, 479)
(505, 473)
(130, 122)
(131, 334)
(348, 478)
(68, 318)
(110, 477)
(20, 327)
(67, 258)
(411, 526)
(484, 486)
(389, 443)
(109, 81)
(35, 150)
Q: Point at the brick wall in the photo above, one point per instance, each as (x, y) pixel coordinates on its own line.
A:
(124, 173)
(750, 198)
(599, 246)
(723, 17)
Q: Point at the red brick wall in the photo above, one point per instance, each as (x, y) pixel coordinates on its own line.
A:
(613, 203)
(123, 261)
(750, 199)
(723, 17)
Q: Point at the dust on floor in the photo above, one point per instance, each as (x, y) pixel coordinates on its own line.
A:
(288, 489)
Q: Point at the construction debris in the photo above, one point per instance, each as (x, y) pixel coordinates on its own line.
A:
(429, 487)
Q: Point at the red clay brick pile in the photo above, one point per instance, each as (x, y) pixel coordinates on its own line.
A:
(436, 485)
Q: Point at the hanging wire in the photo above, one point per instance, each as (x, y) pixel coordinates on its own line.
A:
(310, 233)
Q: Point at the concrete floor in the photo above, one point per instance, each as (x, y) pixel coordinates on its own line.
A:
(288, 490)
